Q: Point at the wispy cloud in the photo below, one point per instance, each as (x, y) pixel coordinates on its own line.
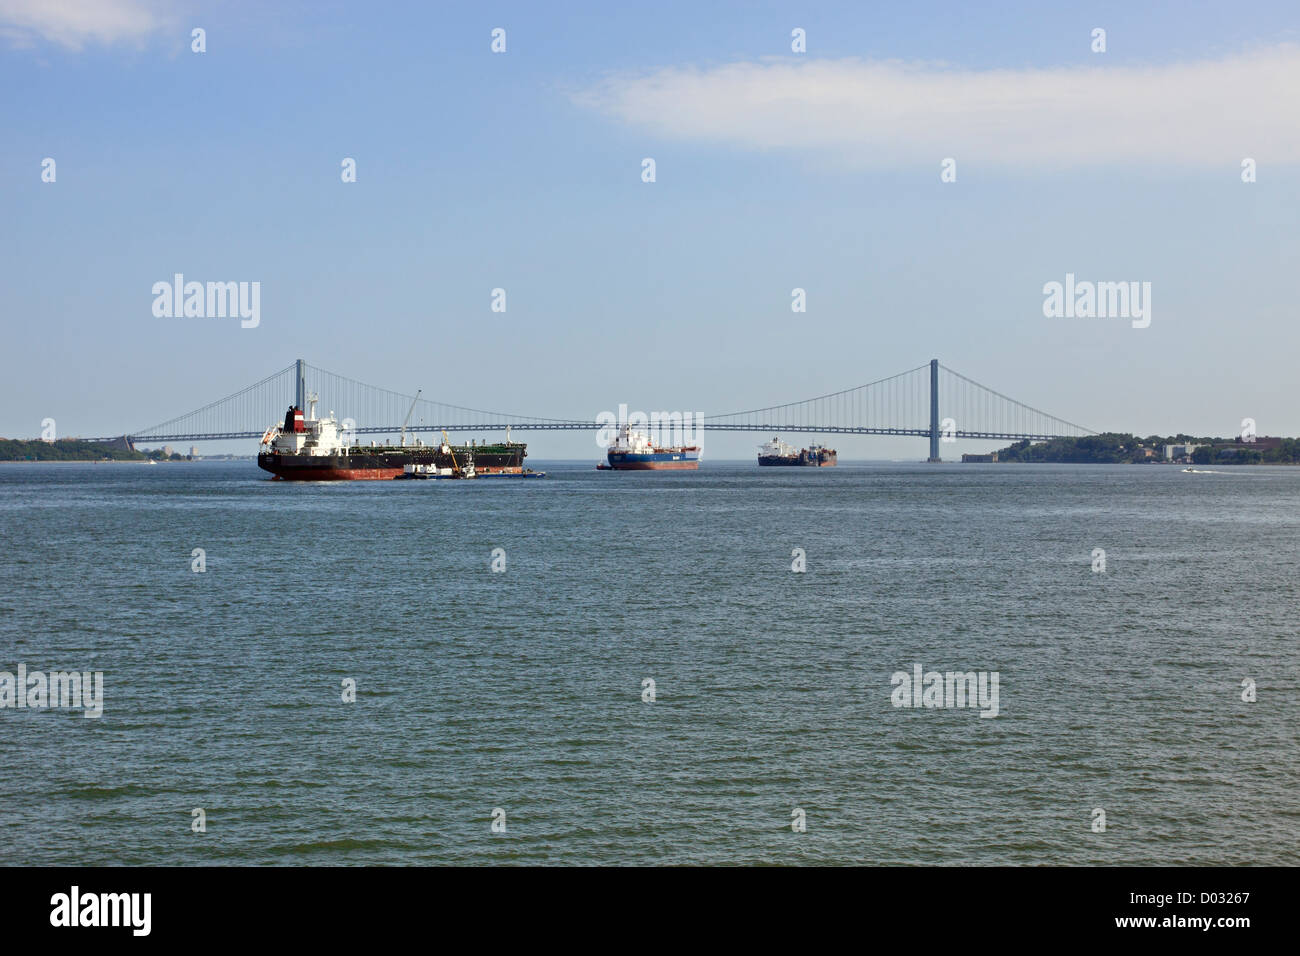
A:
(74, 23)
(884, 113)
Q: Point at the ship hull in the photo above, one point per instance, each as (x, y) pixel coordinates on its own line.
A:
(381, 464)
(801, 460)
(294, 471)
(654, 461)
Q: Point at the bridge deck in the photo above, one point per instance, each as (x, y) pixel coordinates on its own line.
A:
(911, 403)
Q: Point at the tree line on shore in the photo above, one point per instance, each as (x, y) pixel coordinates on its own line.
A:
(72, 449)
(1119, 448)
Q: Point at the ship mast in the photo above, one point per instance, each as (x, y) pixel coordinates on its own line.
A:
(409, 414)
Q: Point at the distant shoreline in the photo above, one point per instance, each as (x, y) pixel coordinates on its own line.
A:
(117, 461)
(252, 459)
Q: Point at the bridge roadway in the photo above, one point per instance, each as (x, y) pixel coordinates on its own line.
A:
(903, 394)
(594, 426)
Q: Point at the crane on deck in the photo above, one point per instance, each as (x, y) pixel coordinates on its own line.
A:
(409, 414)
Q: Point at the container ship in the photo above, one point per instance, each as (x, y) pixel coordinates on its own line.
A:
(777, 452)
(633, 451)
(312, 449)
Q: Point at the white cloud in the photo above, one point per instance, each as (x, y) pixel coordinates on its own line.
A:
(883, 113)
(74, 23)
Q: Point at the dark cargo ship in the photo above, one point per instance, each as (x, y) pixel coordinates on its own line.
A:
(310, 449)
(777, 452)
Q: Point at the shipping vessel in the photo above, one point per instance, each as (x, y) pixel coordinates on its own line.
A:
(634, 451)
(312, 449)
(777, 452)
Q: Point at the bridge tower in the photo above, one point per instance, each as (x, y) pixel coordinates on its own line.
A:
(934, 410)
(300, 396)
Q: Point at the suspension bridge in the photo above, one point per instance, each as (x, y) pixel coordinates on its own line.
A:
(930, 401)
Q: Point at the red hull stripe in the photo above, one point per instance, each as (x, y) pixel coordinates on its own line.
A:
(656, 466)
(337, 474)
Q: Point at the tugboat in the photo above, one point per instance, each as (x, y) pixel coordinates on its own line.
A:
(777, 452)
(634, 451)
(312, 449)
(460, 468)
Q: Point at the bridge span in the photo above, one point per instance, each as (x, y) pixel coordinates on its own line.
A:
(930, 401)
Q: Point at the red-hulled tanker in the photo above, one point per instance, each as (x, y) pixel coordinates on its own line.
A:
(311, 449)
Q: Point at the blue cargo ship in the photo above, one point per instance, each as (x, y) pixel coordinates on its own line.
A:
(633, 451)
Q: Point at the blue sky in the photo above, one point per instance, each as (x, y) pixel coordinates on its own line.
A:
(774, 170)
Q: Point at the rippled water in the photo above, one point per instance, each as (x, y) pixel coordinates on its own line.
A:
(522, 690)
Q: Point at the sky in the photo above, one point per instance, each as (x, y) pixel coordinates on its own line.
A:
(774, 170)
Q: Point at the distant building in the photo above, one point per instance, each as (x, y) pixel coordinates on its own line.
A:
(1260, 443)
(194, 451)
(980, 459)
(167, 451)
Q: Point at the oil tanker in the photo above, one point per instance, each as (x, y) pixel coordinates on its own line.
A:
(312, 449)
(634, 451)
(777, 452)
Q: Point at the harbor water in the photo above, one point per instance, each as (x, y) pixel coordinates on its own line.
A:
(646, 676)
